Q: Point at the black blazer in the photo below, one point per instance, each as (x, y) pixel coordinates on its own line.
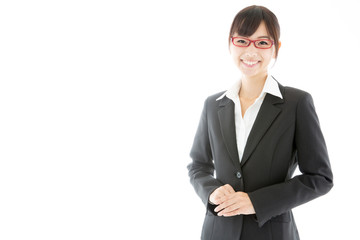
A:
(286, 133)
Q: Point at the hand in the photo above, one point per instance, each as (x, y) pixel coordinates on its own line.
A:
(235, 204)
(219, 193)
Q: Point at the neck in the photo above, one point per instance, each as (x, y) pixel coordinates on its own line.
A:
(251, 87)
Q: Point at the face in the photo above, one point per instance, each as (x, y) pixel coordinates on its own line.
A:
(252, 61)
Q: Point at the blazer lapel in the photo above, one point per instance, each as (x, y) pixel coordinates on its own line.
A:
(266, 116)
(227, 125)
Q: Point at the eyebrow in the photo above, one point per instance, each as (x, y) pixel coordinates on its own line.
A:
(260, 37)
(264, 37)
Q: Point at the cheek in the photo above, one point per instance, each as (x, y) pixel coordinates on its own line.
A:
(235, 57)
(235, 54)
(267, 56)
(272, 53)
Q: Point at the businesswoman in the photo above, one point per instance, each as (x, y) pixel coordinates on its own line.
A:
(250, 140)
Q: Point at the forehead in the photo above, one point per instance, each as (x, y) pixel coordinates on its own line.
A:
(261, 32)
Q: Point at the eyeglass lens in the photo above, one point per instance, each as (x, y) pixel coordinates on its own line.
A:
(243, 42)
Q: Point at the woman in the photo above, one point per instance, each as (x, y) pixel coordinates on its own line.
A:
(253, 137)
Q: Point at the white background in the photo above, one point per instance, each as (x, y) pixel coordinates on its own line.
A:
(100, 100)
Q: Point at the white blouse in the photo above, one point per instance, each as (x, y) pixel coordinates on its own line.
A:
(243, 125)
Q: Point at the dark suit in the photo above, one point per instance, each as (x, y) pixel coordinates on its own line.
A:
(286, 133)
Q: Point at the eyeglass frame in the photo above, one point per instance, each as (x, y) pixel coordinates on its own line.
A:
(253, 41)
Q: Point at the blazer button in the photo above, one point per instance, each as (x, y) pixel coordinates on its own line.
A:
(238, 175)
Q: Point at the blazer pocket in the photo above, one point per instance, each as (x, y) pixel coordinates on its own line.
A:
(285, 218)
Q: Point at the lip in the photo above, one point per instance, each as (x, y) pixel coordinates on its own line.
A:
(250, 65)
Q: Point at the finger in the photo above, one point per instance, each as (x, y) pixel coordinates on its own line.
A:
(225, 205)
(229, 189)
(232, 213)
(223, 190)
(229, 200)
(216, 196)
(242, 205)
(231, 208)
(219, 194)
(226, 189)
(235, 209)
(216, 200)
(228, 197)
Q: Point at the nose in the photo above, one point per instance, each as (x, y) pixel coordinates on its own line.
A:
(251, 50)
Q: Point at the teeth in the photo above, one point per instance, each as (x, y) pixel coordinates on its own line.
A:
(249, 62)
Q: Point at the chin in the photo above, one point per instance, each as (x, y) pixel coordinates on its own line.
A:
(252, 74)
(248, 73)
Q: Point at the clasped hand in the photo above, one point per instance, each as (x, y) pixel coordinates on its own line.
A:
(231, 203)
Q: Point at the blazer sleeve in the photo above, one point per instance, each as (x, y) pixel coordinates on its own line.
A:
(201, 169)
(316, 178)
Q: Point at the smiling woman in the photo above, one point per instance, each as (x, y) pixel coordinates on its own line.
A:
(253, 59)
(254, 136)
(246, 24)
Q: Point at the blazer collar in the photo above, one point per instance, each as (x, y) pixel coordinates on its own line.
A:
(266, 116)
(227, 126)
(270, 86)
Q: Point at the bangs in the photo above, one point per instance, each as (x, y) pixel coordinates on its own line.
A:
(248, 22)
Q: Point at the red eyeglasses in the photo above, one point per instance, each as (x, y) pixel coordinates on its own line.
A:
(245, 42)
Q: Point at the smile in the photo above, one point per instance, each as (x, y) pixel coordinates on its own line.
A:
(249, 63)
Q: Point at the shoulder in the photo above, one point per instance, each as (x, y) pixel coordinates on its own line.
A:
(212, 102)
(212, 99)
(298, 99)
(291, 94)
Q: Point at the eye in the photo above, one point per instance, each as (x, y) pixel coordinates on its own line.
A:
(241, 42)
(264, 43)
